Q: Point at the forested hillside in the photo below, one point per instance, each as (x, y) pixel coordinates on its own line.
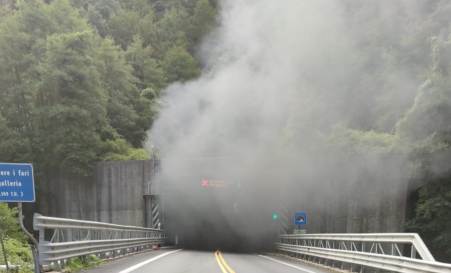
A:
(81, 80)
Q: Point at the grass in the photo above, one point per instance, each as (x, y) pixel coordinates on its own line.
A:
(81, 263)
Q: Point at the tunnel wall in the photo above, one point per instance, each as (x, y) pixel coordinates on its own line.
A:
(114, 193)
(375, 210)
(374, 203)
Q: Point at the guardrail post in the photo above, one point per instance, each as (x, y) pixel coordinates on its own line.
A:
(413, 252)
(41, 238)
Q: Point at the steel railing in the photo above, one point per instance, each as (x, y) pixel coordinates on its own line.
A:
(61, 239)
(392, 252)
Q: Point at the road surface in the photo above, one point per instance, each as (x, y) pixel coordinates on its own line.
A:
(187, 261)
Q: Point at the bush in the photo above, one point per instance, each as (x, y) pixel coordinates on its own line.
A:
(432, 217)
(18, 253)
(78, 264)
(17, 250)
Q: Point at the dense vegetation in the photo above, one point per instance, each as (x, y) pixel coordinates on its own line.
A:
(432, 216)
(13, 244)
(80, 80)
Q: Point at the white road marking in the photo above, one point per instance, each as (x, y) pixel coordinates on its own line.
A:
(287, 264)
(136, 266)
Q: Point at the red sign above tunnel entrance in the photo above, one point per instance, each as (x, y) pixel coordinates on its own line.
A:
(212, 183)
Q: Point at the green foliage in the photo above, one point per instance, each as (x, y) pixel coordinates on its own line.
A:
(363, 141)
(432, 218)
(80, 80)
(17, 250)
(180, 65)
(128, 112)
(9, 225)
(203, 20)
(124, 26)
(426, 127)
(98, 12)
(146, 68)
(119, 149)
(10, 143)
(70, 102)
(19, 253)
(431, 111)
(83, 263)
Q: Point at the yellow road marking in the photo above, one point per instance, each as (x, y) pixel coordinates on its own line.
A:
(218, 260)
(225, 268)
(225, 263)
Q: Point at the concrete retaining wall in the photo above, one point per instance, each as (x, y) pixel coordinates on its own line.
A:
(115, 193)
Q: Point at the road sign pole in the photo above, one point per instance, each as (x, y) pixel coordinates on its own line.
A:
(5, 257)
(34, 242)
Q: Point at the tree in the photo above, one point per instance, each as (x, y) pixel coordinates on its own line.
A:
(145, 67)
(18, 75)
(8, 227)
(432, 217)
(426, 128)
(98, 12)
(203, 21)
(180, 65)
(70, 95)
(11, 145)
(124, 26)
(71, 104)
(430, 114)
(126, 108)
(171, 31)
(13, 243)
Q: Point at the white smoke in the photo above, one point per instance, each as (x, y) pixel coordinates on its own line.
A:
(280, 77)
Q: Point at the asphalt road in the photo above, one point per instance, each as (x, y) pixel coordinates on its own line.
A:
(187, 261)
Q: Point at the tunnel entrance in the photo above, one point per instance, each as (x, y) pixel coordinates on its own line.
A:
(212, 204)
(214, 234)
(226, 219)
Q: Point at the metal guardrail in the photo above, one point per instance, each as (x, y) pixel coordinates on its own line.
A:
(392, 252)
(61, 239)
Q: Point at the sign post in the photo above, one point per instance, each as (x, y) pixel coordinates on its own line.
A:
(5, 256)
(17, 185)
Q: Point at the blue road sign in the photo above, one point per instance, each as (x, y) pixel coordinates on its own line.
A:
(300, 218)
(16, 182)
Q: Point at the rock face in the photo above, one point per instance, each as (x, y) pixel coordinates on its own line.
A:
(115, 193)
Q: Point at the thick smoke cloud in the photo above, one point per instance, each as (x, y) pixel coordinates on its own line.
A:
(280, 80)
